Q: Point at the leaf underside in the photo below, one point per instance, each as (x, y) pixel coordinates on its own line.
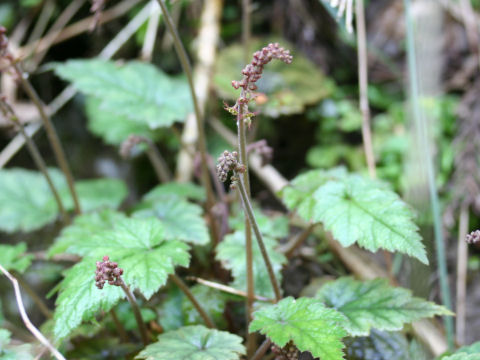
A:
(194, 343)
(375, 304)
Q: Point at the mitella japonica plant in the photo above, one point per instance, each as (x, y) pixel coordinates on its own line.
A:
(133, 270)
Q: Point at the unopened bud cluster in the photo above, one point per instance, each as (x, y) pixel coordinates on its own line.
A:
(227, 162)
(473, 237)
(253, 71)
(288, 352)
(108, 271)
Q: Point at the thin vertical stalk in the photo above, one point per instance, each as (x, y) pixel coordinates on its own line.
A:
(158, 162)
(119, 326)
(136, 311)
(52, 136)
(249, 211)
(37, 158)
(208, 321)
(462, 259)
(262, 350)
(242, 152)
(437, 220)
(202, 142)
(363, 87)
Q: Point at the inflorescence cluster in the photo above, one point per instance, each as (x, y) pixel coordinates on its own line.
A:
(253, 72)
(108, 271)
(227, 162)
(473, 237)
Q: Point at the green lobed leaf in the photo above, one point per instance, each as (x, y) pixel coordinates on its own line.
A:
(356, 209)
(79, 299)
(194, 343)
(136, 90)
(140, 249)
(84, 227)
(462, 356)
(305, 321)
(12, 257)
(114, 129)
(181, 219)
(375, 304)
(95, 194)
(26, 203)
(299, 194)
(232, 253)
(468, 352)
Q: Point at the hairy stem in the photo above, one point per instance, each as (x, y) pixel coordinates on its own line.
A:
(202, 142)
(249, 211)
(363, 85)
(242, 152)
(52, 136)
(462, 260)
(136, 311)
(193, 300)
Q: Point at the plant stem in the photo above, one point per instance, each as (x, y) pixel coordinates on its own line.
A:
(462, 259)
(242, 152)
(119, 326)
(202, 143)
(437, 219)
(37, 158)
(363, 86)
(158, 162)
(249, 211)
(294, 243)
(52, 136)
(33, 295)
(195, 303)
(136, 311)
(226, 288)
(262, 350)
(21, 308)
